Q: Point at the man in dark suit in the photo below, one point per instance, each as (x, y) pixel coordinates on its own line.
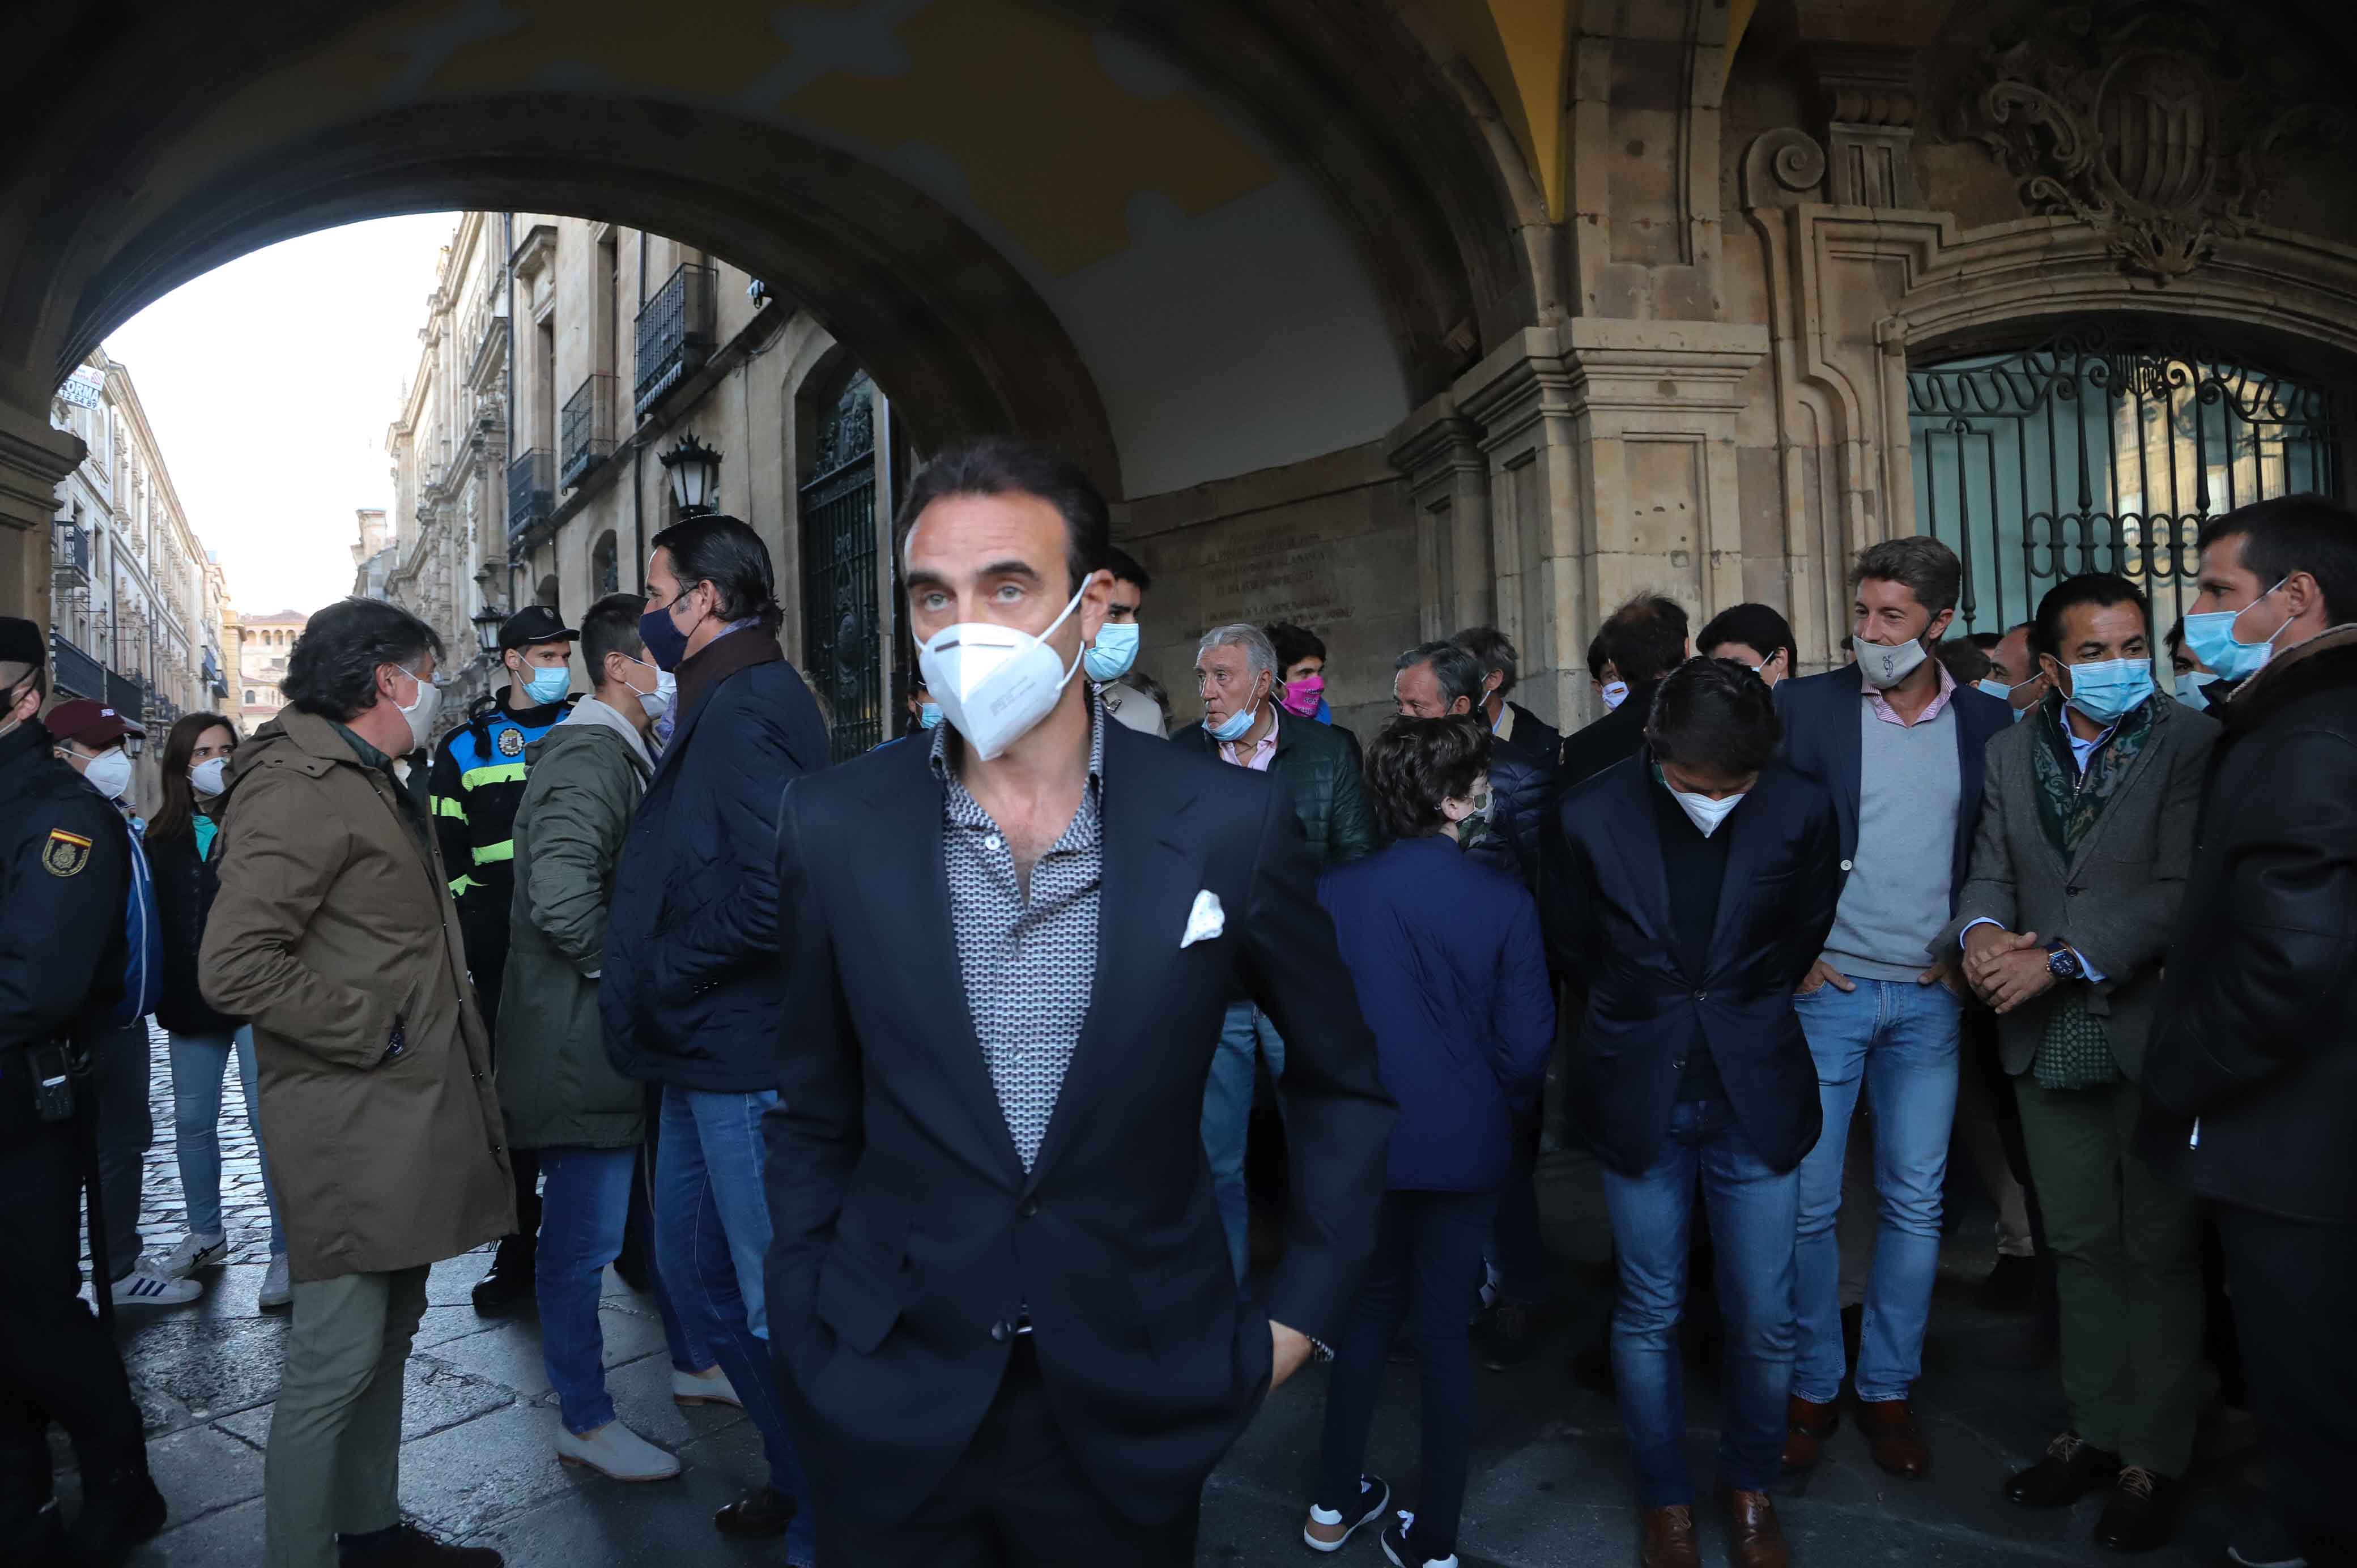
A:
(2250, 1078)
(1509, 720)
(1898, 744)
(1693, 888)
(1001, 1301)
(1643, 640)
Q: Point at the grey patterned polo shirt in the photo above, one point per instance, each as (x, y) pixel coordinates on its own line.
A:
(1030, 965)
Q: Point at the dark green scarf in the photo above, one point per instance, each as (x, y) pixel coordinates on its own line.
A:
(2075, 1052)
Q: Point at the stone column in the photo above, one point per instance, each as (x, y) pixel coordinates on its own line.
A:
(1612, 471)
(34, 455)
(1448, 491)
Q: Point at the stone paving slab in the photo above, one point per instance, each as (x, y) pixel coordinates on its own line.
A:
(1550, 1480)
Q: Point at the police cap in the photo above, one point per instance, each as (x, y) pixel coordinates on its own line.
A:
(534, 624)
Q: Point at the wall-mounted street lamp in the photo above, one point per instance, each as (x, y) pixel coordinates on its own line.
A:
(695, 471)
(488, 621)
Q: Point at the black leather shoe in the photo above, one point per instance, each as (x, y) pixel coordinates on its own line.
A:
(510, 1283)
(117, 1515)
(2142, 1513)
(2070, 1471)
(2012, 1285)
(406, 1546)
(757, 1516)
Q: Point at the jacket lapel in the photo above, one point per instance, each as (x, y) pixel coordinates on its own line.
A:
(1755, 836)
(1149, 881)
(1640, 853)
(2153, 747)
(909, 889)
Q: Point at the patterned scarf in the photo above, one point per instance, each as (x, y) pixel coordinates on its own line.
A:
(2075, 1052)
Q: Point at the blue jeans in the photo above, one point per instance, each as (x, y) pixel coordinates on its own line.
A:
(1752, 1211)
(1246, 1035)
(1900, 1039)
(711, 1233)
(583, 1205)
(199, 1066)
(1426, 1269)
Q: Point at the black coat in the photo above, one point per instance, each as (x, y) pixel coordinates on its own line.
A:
(2256, 1046)
(909, 1237)
(65, 868)
(1619, 735)
(1320, 768)
(185, 886)
(1608, 918)
(691, 990)
(1534, 734)
(1522, 787)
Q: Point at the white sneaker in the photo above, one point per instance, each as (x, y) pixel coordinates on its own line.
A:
(617, 1452)
(146, 1286)
(710, 1386)
(195, 1252)
(278, 1291)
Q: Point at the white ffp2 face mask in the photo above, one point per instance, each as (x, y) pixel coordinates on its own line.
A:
(420, 712)
(210, 776)
(1702, 812)
(109, 773)
(994, 682)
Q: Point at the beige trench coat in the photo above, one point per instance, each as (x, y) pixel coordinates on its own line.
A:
(334, 917)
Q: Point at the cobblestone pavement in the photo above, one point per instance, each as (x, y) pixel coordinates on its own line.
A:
(1550, 1486)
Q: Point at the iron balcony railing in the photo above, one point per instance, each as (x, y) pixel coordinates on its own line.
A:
(69, 560)
(532, 492)
(586, 433)
(675, 335)
(126, 695)
(77, 673)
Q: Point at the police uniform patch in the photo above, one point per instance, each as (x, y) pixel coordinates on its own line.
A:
(65, 854)
(511, 743)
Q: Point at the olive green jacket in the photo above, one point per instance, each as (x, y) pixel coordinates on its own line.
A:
(556, 1084)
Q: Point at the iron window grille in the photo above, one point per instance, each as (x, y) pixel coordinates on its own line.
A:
(531, 493)
(586, 431)
(675, 335)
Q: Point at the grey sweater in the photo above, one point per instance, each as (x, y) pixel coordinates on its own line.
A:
(1898, 896)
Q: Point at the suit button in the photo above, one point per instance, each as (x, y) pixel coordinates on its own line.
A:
(1845, 866)
(1030, 1208)
(1002, 1331)
(1702, 995)
(1680, 1064)
(2073, 892)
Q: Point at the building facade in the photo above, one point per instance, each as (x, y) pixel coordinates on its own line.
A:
(558, 372)
(137, 603)
(1386, 317)
(262, 643)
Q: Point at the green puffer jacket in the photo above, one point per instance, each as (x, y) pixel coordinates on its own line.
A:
(1320, 768)
(556, 1084)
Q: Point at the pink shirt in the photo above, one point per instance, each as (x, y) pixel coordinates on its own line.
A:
(1890, 716)
(1264, 750)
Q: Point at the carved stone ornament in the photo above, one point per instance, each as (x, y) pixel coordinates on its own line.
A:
(2140, 120)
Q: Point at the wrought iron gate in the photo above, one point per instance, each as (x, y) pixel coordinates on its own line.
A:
(2100, 451)
(841, 643)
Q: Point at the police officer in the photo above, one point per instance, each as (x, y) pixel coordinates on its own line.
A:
(64, 873)
(477, 781)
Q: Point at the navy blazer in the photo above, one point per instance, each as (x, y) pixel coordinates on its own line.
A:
(1609, 922)
(1821, 740)
(1444, 953)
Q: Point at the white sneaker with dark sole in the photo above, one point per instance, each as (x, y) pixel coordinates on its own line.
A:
(710, 1386)
(1330, 1529)
(195, 1251)
(1402, 1555)
(617, 1452)
(142, 1286)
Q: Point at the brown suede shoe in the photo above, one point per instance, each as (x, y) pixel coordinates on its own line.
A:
(1807, 1425)
(1898, 1442)
(1754, 1539)
(1670, 1538)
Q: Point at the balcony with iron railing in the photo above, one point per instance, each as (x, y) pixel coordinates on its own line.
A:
(675, 335)
(69, 557)
(586, 431)
(532, 492)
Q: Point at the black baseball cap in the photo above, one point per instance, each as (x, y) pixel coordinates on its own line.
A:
(21, 642)
(534, 624)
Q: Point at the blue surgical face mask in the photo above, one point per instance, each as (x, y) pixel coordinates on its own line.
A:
(1114, 652)
(2210, 636)
(1235, 727)
(928, 715)
(1997, 689)
(546, 686)
(2109, 688)
(2189, 689)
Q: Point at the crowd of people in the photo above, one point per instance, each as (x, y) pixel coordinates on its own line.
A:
(918, 1090)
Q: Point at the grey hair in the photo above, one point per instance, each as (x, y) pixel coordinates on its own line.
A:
(1260, 653)
(1457, 673)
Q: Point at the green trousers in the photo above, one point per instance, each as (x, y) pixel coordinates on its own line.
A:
(334, 1465)
(2128, 1266)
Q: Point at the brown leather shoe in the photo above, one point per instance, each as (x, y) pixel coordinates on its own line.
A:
(1670, 1538)
(1754, 1539)
(1807, 1425)
(1898, 1442)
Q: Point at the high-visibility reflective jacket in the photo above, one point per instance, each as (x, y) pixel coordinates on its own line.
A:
(475, 785)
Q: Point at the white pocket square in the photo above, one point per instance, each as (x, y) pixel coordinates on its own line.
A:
(1205, 920)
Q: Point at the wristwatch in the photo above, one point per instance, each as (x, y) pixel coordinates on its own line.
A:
(2063, 962)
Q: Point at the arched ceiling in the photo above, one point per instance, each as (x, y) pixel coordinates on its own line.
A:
(1188, 240)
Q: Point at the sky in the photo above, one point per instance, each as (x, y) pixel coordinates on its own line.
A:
(270, 382)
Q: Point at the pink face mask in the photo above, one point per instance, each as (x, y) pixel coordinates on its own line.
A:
(1299, 698)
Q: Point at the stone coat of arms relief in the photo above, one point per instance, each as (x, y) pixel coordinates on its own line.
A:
(2143, 121)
